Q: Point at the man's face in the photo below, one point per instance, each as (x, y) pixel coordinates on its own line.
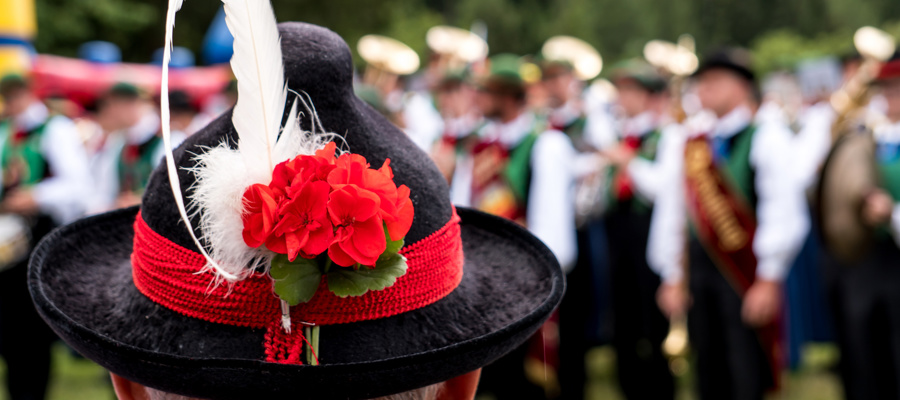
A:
(721, 91)
(456, 101)
(558, 83)
(16, 102)
(633, 98)
(488, 102)
(891, 92)
(124, 112)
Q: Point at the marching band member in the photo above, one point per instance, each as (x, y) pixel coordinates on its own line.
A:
(747, 221)
(639, 327)
(865, 303)
(521, 171)
(45, 180)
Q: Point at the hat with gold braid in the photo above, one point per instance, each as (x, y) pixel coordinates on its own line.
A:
(289, 261)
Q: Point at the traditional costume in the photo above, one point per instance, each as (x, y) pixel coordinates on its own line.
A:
(520, 170)
(41, 154)
(863, 292)
(746, 222)
(639, 327)
(387, 287)
(568, 62)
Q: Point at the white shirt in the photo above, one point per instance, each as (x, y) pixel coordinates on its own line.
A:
(104, 166)
(551, 198)
(649, 177)
(813, 142)
(423, 122)
(62, 195)
(781, 215)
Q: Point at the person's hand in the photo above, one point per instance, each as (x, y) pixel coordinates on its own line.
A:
(19, 201)
(619, 156)
(673, 300)
(487, 165)
(877, 208)
(761, 303)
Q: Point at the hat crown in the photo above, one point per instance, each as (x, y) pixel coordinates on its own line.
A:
(318, 63)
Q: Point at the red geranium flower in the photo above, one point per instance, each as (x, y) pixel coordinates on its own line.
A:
(260, 213)
(304, 168)
(395, 206)
(304, 228)
(358, 234)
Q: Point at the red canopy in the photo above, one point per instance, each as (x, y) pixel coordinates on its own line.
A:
(82, 81)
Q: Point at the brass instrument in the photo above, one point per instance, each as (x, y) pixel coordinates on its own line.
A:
(456, 47)
(586, 63)
(850, 172)
(584, 58)
(876, 47)
(386, 59)
(679, 60)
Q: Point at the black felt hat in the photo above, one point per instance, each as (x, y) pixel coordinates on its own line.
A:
(734, 59)
(81, 276)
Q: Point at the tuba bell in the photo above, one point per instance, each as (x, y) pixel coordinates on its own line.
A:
(850, 172)
(386, 59)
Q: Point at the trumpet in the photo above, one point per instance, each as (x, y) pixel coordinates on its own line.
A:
(680, 60)
(875, 46)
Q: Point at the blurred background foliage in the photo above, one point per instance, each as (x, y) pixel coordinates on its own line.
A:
(781, 32)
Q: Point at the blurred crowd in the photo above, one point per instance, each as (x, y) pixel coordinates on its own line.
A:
(675, 191)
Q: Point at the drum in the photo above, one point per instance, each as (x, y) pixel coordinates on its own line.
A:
(15, 240)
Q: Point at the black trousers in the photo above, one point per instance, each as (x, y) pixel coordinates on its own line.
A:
(25, 339)
(865, 299)
(584, 314)
(639, 327)
(731, 363)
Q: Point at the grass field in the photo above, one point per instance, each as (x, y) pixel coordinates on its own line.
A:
(75, 378)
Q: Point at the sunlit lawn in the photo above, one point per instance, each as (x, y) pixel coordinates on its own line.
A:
(75, 378)
(814, 380)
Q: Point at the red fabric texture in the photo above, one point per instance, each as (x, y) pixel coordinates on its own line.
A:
(624, 183)
(890, 70)
(170, 275)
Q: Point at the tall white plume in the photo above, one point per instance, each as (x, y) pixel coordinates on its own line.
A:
(223, 173)
(259, 69)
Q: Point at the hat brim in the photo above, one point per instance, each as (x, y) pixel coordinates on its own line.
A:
(80, 280)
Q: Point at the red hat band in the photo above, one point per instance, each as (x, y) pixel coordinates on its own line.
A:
(168, 274)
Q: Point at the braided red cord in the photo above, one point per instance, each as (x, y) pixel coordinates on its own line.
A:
(170, 275)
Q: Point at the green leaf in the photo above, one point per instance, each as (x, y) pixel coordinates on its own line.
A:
(352, 282)
(393, 247)
(295, 282)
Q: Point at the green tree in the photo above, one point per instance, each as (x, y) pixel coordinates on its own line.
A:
(617, 28)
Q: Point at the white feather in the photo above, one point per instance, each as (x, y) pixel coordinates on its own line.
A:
(222, 173)
(218, 195)
(259, 69)
(174, 6)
